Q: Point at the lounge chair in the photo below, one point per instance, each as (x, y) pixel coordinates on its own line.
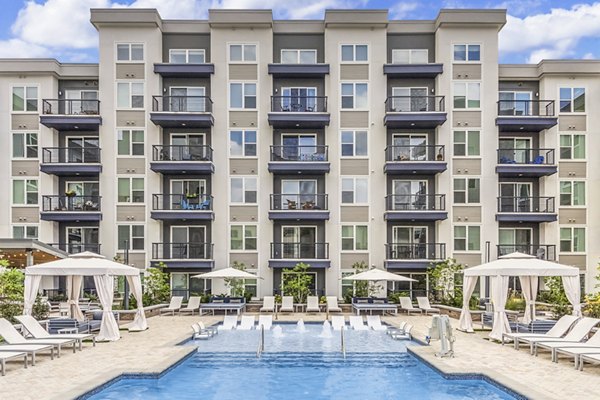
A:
(229, 323)
(579, 332)
(312, 304)
(174, 306)
(332, 304)
(338, 322)
(247, 323)
(558, 330)
(575, 350)
(11, 336)
(589, 357)
(30, 349)
(266, 321)
(192, 305)
(36, 330)
(424, 305)
(357, 323)
(268, 304)
(374, 322)
(200, 331)
(287, 304)
(406, 305)
(402, 334)
(10, 355)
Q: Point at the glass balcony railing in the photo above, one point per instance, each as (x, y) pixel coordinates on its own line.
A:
(414, 104)
(415, 202)
(515, 204)
(299, 250)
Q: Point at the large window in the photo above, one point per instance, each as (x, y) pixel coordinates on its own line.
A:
(572, 147)
(572, 100)
(467, 95)
(572, 240)
(130, 95)
(130, 52)
(24, 98)
(355, 237)
(466, 143)
(354, 143)
(354, 95)
(355, 190)
(467, 52)
(25, 145)
(243, 237)
(130, 237)
(467, 238)
(242, 143)
(355, 53)
(25, 231)
(186, 56)
(293, 56)
(25, 191)
(410, 56)
(466, 191)
(130, 142)
(242, 53)
(572, 193)
(130, 190)
(242, 95)
(244, 190)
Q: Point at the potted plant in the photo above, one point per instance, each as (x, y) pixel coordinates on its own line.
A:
(191, 195)
(70, 193)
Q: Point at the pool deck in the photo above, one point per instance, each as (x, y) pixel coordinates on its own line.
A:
(155, 350)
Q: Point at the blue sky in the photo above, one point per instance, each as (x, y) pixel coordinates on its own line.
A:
(535, 29)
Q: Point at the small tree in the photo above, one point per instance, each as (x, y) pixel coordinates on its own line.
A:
(11, 292)
(236, 286)
(156, 285)
(442, 277)
(556, 296)
(361, 288)
(296, 282)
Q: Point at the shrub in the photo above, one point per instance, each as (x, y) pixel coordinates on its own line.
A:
(156, 287)
(297, 282)
(11, 292)
(591, 308)
(41, 309)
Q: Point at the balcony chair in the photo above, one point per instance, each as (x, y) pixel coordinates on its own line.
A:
(291, 205)
(538, 160)
(205, 205)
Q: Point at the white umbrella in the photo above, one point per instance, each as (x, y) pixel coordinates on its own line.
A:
(376, 274)
(227, 273)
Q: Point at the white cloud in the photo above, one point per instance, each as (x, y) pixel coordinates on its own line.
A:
(589, 56)
(402, 9)
(17, 48)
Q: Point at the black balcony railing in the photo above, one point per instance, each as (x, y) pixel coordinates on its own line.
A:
(415, 251)
(183, 104)
(415, 202)
(70, 155)
(184, 202)
(298, 201)
(182, 153)
(543, 251)
(509, 204)
(415, 153)
(526, 108)
(70, 107)
(299, 104)
(526, 156)
(74, 248)
(182, 251)
(299, 153)
(299, 250)
(71, 203)
(415, 104)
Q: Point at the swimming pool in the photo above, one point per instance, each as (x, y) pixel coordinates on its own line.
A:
(299, 365)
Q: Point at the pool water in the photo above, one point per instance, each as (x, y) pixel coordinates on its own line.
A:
(298, 365)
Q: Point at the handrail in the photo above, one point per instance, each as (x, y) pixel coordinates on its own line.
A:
(415, 104)
(261, 342)
(343, 342)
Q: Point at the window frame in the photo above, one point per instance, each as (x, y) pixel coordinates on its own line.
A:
(353, 237)
(298, 51)
(354, 133)
(244, 178)
(129, 52)
(120, 132)
(467, 60)
(130, 238)
(467, 98)
(243, 99)
(243, 131)
(467, 179)
(130, 94)
(354, 107)
(26, 135)
(572, 146)
(571, 194)
(410, 56)
(571, 100)
(243, 238)
(243, 47)
(25, 99)
(466, 143)
(466, 238)
(572, 250)
(354, 60)
(354, 179)
(25, 181)
(187, 56)
(25, 227)
(131, 191)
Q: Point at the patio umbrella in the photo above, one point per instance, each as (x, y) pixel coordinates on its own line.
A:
(376, 274)
(227, 273)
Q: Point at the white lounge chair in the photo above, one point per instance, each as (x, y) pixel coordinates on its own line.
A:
(374, 322)
(312, 304)
(229, 323)
(357, 323)
(11, 336)
(579, 332)
(174, 305)
(338, 322)
(268, 304)
(287, 304)
(10, 355)
(192, 306)
(575, 350)
(266, 321)
(30, 349)
(424, 305)
(589, 357)
(332, 304)
(406, 305)
(36, 330)
(558, 330)
(402, 334)
(200, 331)
(247, 323)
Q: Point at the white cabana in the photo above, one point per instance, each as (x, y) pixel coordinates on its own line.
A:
(75, 267)
(376, 275)
(528, 268)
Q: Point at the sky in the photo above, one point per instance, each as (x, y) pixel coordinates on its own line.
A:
(535, 29)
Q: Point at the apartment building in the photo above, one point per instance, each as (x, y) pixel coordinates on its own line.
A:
(199, 143)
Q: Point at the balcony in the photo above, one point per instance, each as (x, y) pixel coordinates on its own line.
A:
(526, 209)
(525, 115)
(71, 208)
(418, 256)
(299, 112)
(182, 111)
(517, 163)
(299, 159)
(182, 159)
(415, 160)
(72, 115)
(414, 112)
(287, 255)
(299, 207)
(183, 255)
(74, 248)
(298, 70)
(169, 207)
(65, 161)
(543, 251)
(415, 207)
(170, 70)
(428, 70)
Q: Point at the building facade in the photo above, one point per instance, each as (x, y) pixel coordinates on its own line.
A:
(198, 144)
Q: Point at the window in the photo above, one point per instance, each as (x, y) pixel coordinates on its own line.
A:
(355, 237)
(410, 56)
(354, 95)
(244, 190)
(467, 238)
(242, 53)
(355, 190)
(355, 52)
(572, 100)
(25, 191)
(130, 190)
(25, 98)
(186, 56)
(298, 56)
(467, 52)
(242, 143)
(572, 193)
(467, 95)
(130, 52)
(572, 240)
(243, 237)
(572, 147)
(131, 236)
(130, 142)
(130, 95)
(354, 143)
(25, 232)
(25, 145)
(242, 95)
(466, 143)
(466, 190)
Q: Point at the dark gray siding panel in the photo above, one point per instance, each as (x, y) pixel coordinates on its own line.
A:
(291, 41)
(417, 41)
(185, 41)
